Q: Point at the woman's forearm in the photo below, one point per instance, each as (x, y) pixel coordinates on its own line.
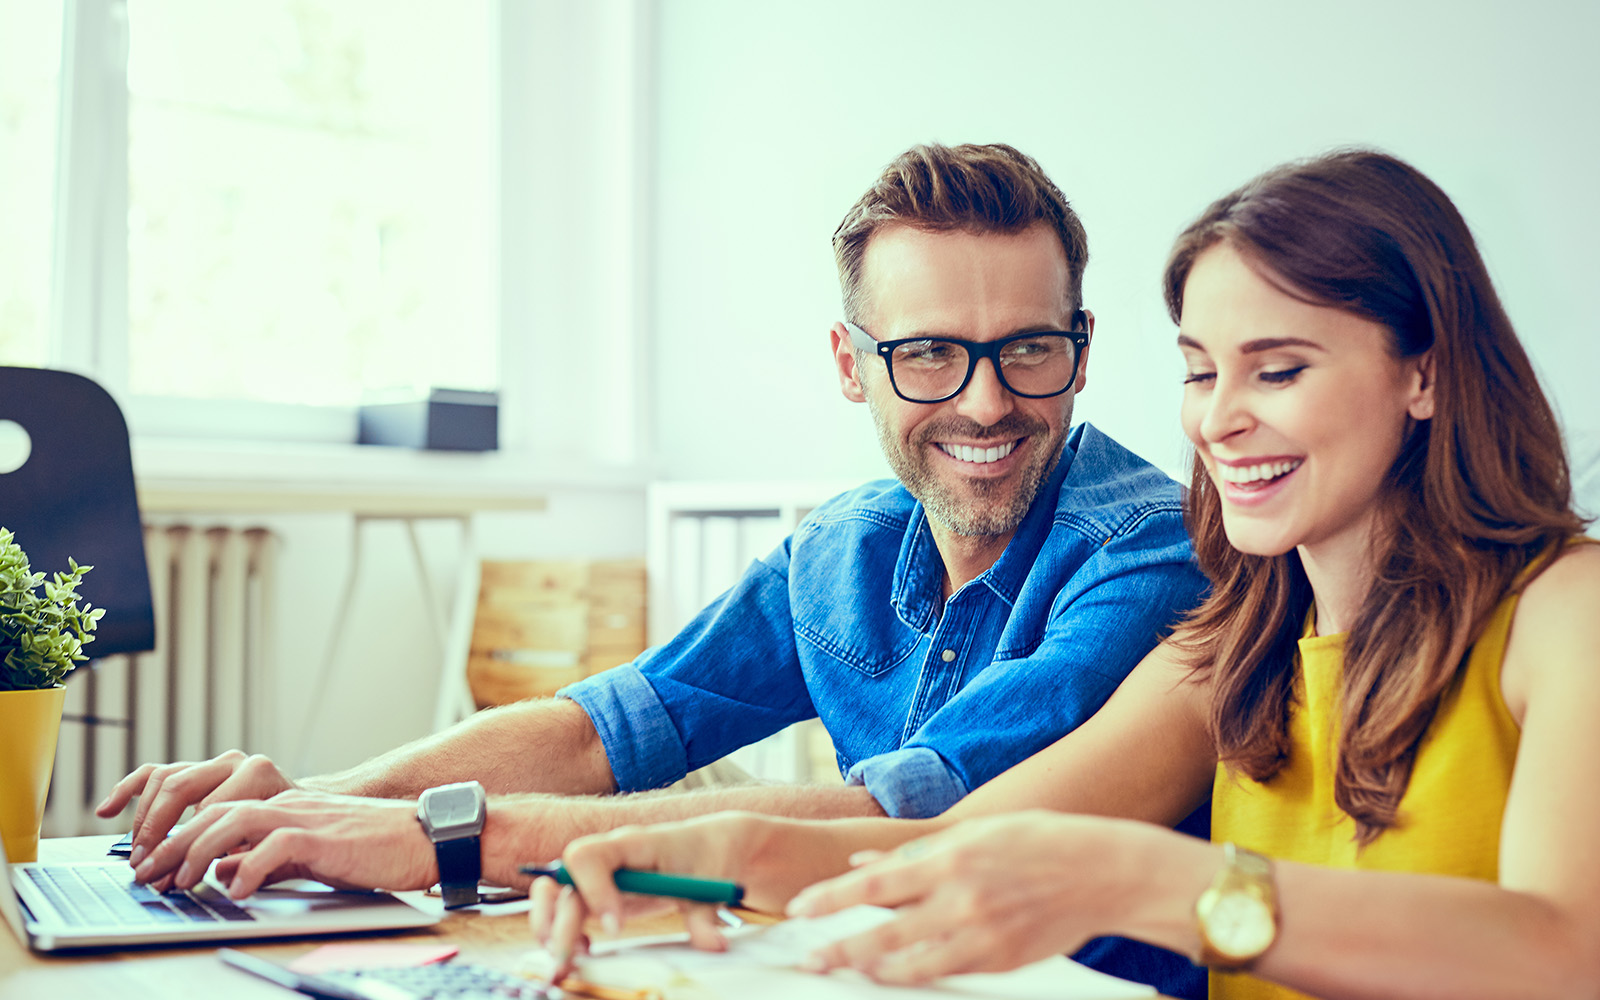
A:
(773, 856)
(797, 853)
(998, 893)
(1345, 935)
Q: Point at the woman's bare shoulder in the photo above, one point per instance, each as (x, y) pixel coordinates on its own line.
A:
(1568, 585)
(1556, 629)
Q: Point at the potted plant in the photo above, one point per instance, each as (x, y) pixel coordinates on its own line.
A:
(43, 627)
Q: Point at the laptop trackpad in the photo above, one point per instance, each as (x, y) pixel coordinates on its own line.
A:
(297, 897)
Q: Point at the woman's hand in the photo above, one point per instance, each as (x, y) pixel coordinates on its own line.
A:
(730, 846)
(986, 895)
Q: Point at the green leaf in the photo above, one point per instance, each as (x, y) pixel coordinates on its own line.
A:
(41, 637)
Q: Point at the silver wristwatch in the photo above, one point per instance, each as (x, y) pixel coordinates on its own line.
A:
(453, 817)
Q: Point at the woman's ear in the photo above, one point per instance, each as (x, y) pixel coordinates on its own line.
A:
(1420, 406)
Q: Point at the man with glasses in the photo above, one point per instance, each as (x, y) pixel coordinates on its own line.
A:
(944, 626)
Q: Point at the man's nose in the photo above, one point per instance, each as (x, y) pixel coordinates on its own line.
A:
(985, 399)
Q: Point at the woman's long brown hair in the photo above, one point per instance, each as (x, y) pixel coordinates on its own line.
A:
(1476, 493)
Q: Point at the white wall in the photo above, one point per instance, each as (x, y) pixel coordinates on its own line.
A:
(772, 118)
(574, 116)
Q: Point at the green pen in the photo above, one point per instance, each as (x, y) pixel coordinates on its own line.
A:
(698, 890)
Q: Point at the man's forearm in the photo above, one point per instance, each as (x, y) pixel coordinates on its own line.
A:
(548, 745)
(775, 799)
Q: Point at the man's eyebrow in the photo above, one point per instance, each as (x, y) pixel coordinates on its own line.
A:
(1258, 345)
(937, 333)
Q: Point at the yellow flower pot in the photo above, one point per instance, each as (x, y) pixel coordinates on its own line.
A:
(29, 724)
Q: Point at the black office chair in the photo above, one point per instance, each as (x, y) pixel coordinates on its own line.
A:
(74, 496)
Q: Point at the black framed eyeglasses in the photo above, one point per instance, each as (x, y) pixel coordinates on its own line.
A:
(934, 369)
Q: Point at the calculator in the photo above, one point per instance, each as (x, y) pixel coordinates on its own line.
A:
(437, 981)
(440, 981)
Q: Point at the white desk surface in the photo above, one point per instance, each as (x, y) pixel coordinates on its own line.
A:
(166, 973)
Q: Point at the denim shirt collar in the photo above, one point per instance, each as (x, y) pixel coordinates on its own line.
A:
(918, 587)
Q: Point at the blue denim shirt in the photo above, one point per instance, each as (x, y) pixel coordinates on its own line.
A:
(925, 699)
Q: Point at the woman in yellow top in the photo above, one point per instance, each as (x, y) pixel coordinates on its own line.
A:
(1392, 693)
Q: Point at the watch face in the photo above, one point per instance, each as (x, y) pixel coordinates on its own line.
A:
(454, 810)
(453, 806)
(1239, 925)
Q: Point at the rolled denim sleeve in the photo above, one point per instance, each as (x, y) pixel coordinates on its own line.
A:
(641, 742)
(729, 678)
(912, 782)
(1112, 611)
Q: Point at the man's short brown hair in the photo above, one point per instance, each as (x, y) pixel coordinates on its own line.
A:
(981, 189)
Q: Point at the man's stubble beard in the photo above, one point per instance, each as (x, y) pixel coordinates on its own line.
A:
(987, 513)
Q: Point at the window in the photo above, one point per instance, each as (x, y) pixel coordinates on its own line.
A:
(30, 51)
(310, 195)
(307, 213)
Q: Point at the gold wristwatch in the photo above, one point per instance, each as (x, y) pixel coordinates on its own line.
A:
(1238, 913)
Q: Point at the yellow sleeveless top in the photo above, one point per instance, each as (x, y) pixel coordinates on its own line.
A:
(1450, 815)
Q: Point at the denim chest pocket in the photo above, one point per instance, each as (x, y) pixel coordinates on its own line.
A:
(870, 659)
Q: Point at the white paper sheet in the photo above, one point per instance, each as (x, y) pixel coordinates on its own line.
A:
(760, 962)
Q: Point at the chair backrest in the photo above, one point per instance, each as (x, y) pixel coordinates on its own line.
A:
(74, 496)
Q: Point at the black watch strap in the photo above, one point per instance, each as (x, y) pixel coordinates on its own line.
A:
(460, 864)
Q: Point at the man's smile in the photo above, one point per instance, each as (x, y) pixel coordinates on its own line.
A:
(956, 456)
(979, 454)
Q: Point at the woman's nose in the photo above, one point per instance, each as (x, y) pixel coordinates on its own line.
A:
(1227, 412)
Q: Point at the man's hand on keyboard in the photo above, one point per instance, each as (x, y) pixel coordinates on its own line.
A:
(166, 790)
(345, 841)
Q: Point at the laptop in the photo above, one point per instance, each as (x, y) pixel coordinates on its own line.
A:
(63, 906)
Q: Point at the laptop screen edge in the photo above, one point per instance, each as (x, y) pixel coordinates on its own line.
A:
(9, 904)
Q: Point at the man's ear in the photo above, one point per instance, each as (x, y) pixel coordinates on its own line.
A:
(1083, 359)
(1420, 404)
(844, 358)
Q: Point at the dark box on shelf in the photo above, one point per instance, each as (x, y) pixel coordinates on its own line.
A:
(442, 420)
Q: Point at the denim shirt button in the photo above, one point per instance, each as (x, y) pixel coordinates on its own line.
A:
(948, 655)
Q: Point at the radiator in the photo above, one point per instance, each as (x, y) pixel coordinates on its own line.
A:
(201, 691)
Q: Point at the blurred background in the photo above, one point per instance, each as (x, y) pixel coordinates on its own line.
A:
(246, 218)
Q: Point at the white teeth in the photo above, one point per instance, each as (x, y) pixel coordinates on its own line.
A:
(1256, 473)
(981, 456)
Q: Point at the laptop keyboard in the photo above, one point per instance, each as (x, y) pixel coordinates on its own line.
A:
(94, 895)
